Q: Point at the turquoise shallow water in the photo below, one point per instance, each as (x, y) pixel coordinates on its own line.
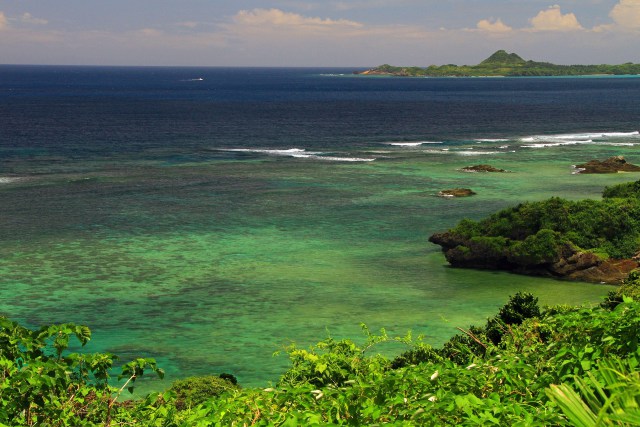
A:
(210, 223)
(212, 266)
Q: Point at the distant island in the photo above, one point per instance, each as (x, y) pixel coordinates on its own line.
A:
(503, 64)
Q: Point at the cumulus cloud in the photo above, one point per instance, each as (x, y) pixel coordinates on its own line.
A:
(3, 21)
(552, 19)
(281, 19)
(626, 14)
(493, 27)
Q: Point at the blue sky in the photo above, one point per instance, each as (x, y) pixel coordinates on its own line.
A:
(315, 33)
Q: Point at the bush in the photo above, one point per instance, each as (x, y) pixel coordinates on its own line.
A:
(521, 306)
(544, 247)
(419, 354)
(630, 288)
(192, 391)
(626, 190)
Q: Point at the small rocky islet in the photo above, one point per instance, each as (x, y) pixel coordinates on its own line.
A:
(611, 165)
(482, 168)
(456, 192)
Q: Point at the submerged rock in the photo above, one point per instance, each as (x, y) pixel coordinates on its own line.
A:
(611, 165)
(482, 168)
(456, 192)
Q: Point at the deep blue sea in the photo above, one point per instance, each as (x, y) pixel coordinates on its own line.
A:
(208, 217)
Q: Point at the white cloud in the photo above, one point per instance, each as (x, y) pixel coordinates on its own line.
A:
(280, 19)
(493, 27)
(292, 37)
(3, 21)
(552, 19)
(30, 19)
(626, 14)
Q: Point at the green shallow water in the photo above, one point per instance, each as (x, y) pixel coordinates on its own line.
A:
(212, 266)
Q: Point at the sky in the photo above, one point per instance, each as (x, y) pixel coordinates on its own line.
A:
(315, 33)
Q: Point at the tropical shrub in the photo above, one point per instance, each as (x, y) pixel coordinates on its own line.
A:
(192, 391)
(559, 366)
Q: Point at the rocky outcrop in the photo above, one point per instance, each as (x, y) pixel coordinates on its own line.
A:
(456, 192)
(481, 168)
(610, 165)
(496, 253)
(587, 267)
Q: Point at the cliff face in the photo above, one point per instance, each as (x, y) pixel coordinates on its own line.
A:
(567, 263)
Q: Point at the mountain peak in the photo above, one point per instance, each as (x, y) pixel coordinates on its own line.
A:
(502, 57)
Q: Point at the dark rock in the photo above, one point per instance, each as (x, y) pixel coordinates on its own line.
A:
(610, 271)
(456, 192)
(481, 168)
(611, 165)
(571, 264)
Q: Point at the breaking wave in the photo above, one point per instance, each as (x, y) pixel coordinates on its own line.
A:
(300, 153)
(608, 138)
(412, 144)
(8, 180)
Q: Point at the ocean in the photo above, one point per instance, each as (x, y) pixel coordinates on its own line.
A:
(209, 217)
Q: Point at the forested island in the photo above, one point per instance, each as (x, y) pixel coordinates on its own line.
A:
(527, 365)
(588, 240)
(503, 64)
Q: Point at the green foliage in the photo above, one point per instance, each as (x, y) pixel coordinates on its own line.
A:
(334, 362)
(521, 306)
(562, 366)
(609, 396)
(623, 191)
(192, 391)
(42, 385)
(544, 247)
(502, 57)
(539, 233)
(420, 353)
(630, 288)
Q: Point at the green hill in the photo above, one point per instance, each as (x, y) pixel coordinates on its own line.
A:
(502, 57)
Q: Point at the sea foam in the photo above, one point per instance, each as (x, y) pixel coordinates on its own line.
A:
(300, 153)
(475, 153)
(604, 138)
(8, 180)
(412, 144)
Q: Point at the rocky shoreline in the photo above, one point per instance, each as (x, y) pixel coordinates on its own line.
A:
(584, 240)
(572, 264)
